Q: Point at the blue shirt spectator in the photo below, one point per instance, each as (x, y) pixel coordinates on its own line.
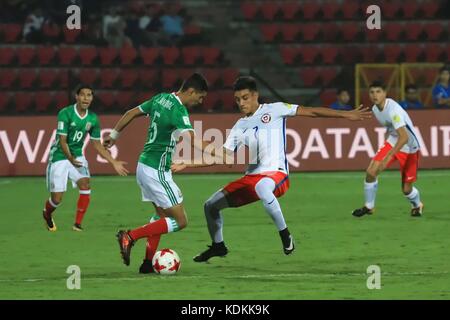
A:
(441, 92)
(343, 99)
(172, 23)
(412, 100)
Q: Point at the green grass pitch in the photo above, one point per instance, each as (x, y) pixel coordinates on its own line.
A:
(333, 251)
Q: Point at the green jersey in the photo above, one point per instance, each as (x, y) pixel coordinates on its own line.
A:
(168, 119)
(75, 127)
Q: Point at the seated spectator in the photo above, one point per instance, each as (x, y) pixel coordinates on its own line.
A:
(441, 91)
(343, 99)
(32, 29)
(172, 23)
(412, 100)
(149, 26)
(114, 29)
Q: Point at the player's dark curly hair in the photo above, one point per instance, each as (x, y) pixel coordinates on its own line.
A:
(245, 82)
(196, 81)
(378, 84)
(83, 86)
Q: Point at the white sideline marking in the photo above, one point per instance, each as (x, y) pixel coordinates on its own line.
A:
(248, 276)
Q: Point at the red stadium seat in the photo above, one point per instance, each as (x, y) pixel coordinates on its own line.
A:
(23, 101)
(350, 9)
(8, 77)
(329, 54)
(270, 31)
(211, 101)
(289, 55)
(61, 99)
(269, 10)
(170, 55)
(369, 53)
(12, 32)
(328, 96)
(330, 10)
(88, 75)
(128, 77)
(413, 52)
(5, 99)
(393, 31)
(63, 78)
(87, 54)
(191, 55)
(327, 75)
(309, 76)
(289, 9)
(390, 9)
(127, 55)
(373, 35)
(211, 56)
(170, 79)
(43, 101)
(410, 10)
(309, 54)
(107, 55)
(144, 96)
(71, 36)
(192, 30)
(430, 9)
(107, 99)
(310, 9)
(433, 31)
(213, 76)
(310, 31)
(47, 78)
(149, 55)
(413, 31)
(25, 55)
(433, 52)
(51, 30)
(229, 76)
(108, 78)
(290, 31)
(67, 55)
(7, 55)
(148, 77)
(249, 10)
(350, 31)
(27, 78)
(350, 54)
(392, 53)
(125, 99)
(228, 101)
(46, 55)
(330, 32)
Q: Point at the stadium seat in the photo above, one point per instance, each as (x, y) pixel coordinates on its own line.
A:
(329, 54)
(330, 10)
(269, 10)
(51, 30)
(229, 76)
(430, 9)
(27, 78)
(148, 77)
(369, 53)
(71, 36)
(310, 9)
(88, 75)
(211, 56)
(350, 31)
(170, 55)
(43, 101)
(170, 79)
(192, 30)
(25, 55)
(330, 32)
(46, 55)
(393, 31)
(433, 52)
(8, 77)
(270, 31)
(249, 10)
(228, 102)
(413, 31)
(47, 78)
(289, 9)
(309, 54)
(149, 55)
(350, 54)
(433, 31)
(5, 99)
(128, 77)
(12, 32)
(107, 99)
(63, 78)
(125, 99)
(144, 96)
(373, 35)
(127, 55)
(413, 52)
(87, 54)
(108, 78)
(23, 101)
(310, 31)
(290, 32)
(211, 101)
(67, 55)
(309, 76)
(410, 10)
(213, 76)
(61, 99)
(392, 53)
(390, 10)
(431, 75)
(107, 55)
(327, 75)
(7, 56)
(289, 55)
(191, 55)
(328, 96)
(349, 9)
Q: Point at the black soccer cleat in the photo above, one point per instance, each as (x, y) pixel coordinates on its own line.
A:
(49, 223)
(125, 244)
(288, 241)
(146, 267)
(214, 250)
(362, 211)
(77, 227)
(417, 212)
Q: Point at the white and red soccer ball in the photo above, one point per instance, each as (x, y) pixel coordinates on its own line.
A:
(166, 262)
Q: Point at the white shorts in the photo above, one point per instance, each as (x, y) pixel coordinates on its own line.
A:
(158, 186)
(59, 171)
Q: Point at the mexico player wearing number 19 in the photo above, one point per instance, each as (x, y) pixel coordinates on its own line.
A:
(401, 145)
(66, 158)
(263, 131)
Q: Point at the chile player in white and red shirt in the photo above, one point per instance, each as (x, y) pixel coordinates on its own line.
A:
(263, 132)
(401, 145)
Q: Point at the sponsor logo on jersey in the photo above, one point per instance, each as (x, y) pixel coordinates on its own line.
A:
(288, 105)
(186, 121)
(88, 126)
(60, 125)
(266, 118)
(396, 118)
(73, 124)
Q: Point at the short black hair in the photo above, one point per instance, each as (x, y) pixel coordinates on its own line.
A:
(378, 84)
(245, 82)
(340, 90)
(196, 81)
(410, 86)
(83, 86)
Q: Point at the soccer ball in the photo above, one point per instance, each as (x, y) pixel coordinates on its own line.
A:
(166, 262)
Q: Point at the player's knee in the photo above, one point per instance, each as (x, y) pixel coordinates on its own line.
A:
(85, 186)
(406, 189)
(208, 206)
(371, 174)
(56, 198)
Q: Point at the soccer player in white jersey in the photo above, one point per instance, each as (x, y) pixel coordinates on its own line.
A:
(401, 145)
(262, 130)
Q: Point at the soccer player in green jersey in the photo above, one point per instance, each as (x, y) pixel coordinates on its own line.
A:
(66, 158)
(169, 119)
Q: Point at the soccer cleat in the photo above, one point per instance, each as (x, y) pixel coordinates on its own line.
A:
(417, 212)
(214, 250)
(77, 227)
(125, 244)
(146, 267)
(49, 223)
(362, 211)
(288, 241)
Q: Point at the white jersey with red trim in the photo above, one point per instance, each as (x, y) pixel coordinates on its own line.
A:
(264, 134)
(393, 116)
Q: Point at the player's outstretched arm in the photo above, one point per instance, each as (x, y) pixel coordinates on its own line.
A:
(120, 125)
(117, 164)
(357, 114)
(66, 151)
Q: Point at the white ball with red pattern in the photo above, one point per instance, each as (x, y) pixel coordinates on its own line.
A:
(166, 262)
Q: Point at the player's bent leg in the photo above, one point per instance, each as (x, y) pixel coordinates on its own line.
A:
(212, 208)
(370, 189)
(152, 244)
(50, 205)
(83, 202)
(413, 196)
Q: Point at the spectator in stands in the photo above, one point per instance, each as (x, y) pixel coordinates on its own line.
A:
(114, 29)
(441, 91)
(150, 26)
(172, 23)
(93, 32)
(343, 100)
(32, 29)
(412, 100)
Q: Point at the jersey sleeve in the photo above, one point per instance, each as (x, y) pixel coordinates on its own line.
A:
(396, 118)
(95, 130)
(63, 123)
(284, 109)
(182, 121)
(234, 139)
(147, 106)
